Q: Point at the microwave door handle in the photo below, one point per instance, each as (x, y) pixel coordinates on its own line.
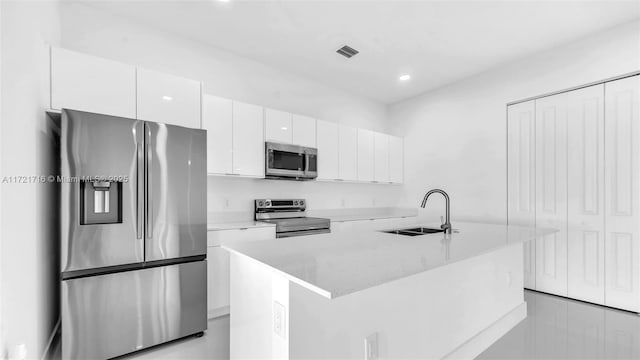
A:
(306, 163)
(139, 190)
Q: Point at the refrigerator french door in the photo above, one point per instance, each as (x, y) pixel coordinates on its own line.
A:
(133, 234)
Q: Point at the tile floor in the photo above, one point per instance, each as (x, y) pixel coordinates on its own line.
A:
(555, 328)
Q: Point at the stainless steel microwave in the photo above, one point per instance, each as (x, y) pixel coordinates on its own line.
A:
(292, 162)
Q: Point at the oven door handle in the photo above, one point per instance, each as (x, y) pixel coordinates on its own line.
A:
(302, 233)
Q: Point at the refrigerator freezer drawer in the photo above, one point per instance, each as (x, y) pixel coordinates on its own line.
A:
(110, 315)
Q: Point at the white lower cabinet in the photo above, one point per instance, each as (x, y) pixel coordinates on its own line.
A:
(218, 264)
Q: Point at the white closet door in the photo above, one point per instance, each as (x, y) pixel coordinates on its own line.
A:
(585, 134)
(521, 178)
(622, 195)
(551, 193)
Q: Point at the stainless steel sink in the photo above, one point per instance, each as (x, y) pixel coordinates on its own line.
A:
(424, 230)
(414, 231)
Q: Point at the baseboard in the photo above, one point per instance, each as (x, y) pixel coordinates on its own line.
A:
(221, 311)
(485, 338)
(55, 334)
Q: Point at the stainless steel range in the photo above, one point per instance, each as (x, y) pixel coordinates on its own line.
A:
(290, 217)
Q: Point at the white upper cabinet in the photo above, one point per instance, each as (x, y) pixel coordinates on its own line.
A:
(278, 126)
(585, 136)
(551, 193)
(217, 119)
(328, 158)
(381, 157)
(304, 130)
(168, 99)
(348, 150)
(365, 155)
(396, 159)
(248, 140)
(287, 128)
(622, 194)
(521, 171)
(89, 83)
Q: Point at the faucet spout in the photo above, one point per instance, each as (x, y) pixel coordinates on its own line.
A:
(447, 224)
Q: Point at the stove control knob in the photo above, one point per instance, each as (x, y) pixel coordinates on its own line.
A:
(301, 202)
(267, 203)
(295, 202)
(261, 203)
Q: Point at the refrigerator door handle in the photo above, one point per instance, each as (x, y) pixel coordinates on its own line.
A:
(148, 182)
(139, 190)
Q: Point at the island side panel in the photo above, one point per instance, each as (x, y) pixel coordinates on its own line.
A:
(251, 307)
(428, 315)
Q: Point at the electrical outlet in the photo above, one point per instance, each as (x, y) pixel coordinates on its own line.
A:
(371, 347)
(279, 319)
(226, 203)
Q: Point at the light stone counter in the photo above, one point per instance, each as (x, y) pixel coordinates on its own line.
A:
(338, 264)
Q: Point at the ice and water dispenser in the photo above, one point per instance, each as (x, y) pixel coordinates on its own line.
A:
(100, 202)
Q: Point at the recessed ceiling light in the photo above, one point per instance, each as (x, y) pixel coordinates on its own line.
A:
(404, 77)
(167, 98)
(224, 0)
(283, 128)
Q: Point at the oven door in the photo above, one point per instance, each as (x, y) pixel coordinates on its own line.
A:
(283, 160)
(288, 234)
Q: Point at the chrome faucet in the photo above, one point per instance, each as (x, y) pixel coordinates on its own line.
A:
(447, 224)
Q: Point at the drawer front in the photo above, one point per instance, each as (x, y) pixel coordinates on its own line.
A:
(110, 315)
(221, 237)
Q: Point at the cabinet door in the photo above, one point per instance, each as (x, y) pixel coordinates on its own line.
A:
(217, 119)
(327, 150)
(396, 159)
(585, 117)
(365, 155)
(248, 140)
(304, 130)
(278, 126)
(521, 170)
(92, 84)
(168, 99)
(622, 181)
(381, 157)
(551, 193)
(217, 281)
(348, 152)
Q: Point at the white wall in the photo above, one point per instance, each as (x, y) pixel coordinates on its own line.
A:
(92, 31)
(456, 135)
(29, 212)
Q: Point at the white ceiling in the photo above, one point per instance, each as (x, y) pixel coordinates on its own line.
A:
(437, 42)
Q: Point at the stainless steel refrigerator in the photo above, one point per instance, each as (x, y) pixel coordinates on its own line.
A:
(133, 234)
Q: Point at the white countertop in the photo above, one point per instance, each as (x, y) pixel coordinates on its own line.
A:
(237, 225)
(339, 264)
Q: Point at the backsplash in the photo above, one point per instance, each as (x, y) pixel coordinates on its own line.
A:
(231, 198)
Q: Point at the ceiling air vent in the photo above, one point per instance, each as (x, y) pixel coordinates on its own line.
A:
(347, 51)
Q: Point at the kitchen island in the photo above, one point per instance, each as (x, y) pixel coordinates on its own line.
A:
(368, 294)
